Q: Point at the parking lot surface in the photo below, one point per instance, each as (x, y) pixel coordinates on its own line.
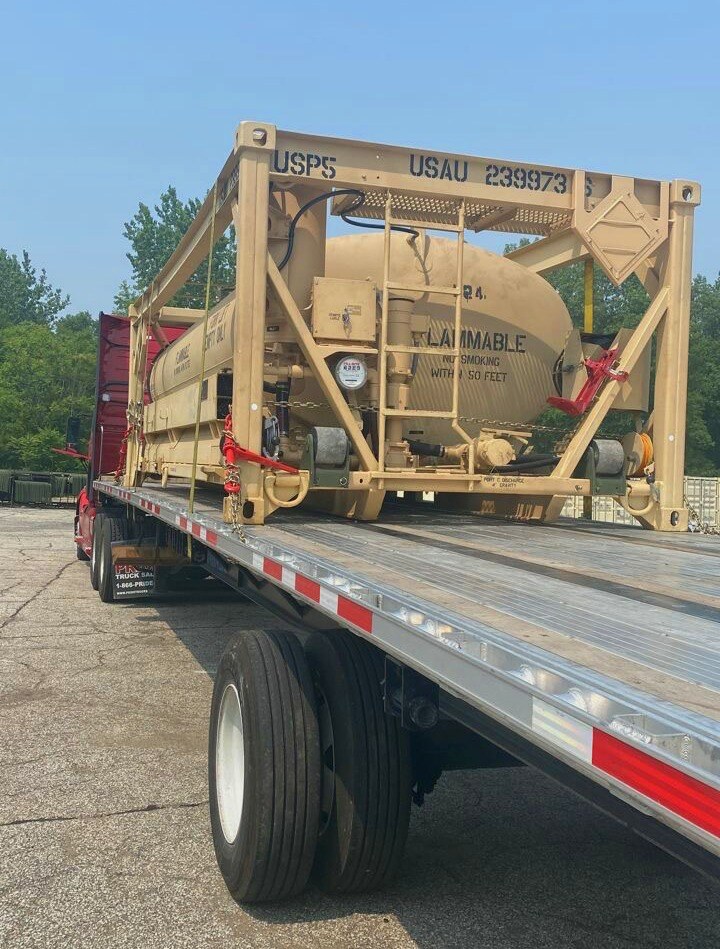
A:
(104, 831)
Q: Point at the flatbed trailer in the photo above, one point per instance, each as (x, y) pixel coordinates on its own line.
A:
(590, 652)
(413, 639)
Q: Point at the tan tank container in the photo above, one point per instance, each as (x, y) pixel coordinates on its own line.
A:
(398, 361)
(514, 328)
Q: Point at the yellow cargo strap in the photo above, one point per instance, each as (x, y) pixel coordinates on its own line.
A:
(198, 407)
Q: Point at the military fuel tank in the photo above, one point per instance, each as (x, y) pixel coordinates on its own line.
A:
(514, 328)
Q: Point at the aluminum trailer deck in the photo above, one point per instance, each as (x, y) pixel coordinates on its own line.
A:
(591, 652)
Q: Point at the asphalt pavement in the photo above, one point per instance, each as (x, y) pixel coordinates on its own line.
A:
(104, 831)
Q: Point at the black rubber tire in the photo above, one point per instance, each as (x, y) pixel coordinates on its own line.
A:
(95, 549)
(361, 841)
(80, 553)
(272, 853)
(113, 528)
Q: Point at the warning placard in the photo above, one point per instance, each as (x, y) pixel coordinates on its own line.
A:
(130, 579)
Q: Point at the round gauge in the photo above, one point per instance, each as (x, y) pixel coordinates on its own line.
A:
(351, 372)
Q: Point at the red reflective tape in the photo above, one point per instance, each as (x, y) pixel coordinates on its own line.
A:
(212, 538)
(272, 568)
(685, 796)
(307, 587)
(183, 523)
(355, 614)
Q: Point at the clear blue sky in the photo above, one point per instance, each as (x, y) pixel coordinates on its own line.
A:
(104, 105)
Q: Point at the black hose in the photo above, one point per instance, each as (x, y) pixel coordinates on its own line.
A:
(370, 429)
(533, 461)
(537, 456)
(377, 227)
(360, 195)
(282, 407)
(557, 373)
(424, 448)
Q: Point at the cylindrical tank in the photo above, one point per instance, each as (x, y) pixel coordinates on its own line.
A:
(514, 328)
(179, 364)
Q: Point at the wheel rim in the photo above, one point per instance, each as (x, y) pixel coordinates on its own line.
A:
(327, 758)
(230, 763)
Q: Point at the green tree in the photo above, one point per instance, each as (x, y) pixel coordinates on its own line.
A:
(124, 297)
(154, 235)
(46, 375)
(34, 450)
(47, 367)
(703, 420)
(613, 307)
(25, 295)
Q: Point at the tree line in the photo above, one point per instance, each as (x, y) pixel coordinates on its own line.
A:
(48, 357)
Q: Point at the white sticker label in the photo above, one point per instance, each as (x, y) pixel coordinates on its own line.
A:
(351, 372)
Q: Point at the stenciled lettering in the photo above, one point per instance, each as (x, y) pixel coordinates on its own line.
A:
(481, 340)
(434, 166)
(305, 164)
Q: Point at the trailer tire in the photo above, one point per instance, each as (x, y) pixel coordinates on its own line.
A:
(112, 528)
(362, 835)
(95, 550)
(264, 767)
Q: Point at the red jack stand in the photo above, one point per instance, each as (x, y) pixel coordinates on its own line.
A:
(598, 371)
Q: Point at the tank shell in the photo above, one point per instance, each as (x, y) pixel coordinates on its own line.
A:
(179, 364)
(514, 326)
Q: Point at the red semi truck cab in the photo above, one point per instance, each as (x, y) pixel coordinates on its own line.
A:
(109, 424)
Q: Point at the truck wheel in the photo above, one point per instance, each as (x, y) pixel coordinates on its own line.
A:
(112, 528)
(366, 770)
(264, 767)
(79, 552)
(95, 550)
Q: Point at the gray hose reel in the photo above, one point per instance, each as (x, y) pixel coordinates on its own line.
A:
(327, 457)
(604, 465)
(609, 456)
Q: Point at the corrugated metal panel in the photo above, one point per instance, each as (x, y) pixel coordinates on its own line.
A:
(703, 495)
(32, 492)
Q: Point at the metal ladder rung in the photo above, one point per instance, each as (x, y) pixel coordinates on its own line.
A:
(424, 288)
(418, 413)
(423, 225)
(421, 350)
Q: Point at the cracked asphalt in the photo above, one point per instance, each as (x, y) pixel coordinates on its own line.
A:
(104, 836)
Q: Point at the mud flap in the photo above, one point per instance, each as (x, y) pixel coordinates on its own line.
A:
(132, 580)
